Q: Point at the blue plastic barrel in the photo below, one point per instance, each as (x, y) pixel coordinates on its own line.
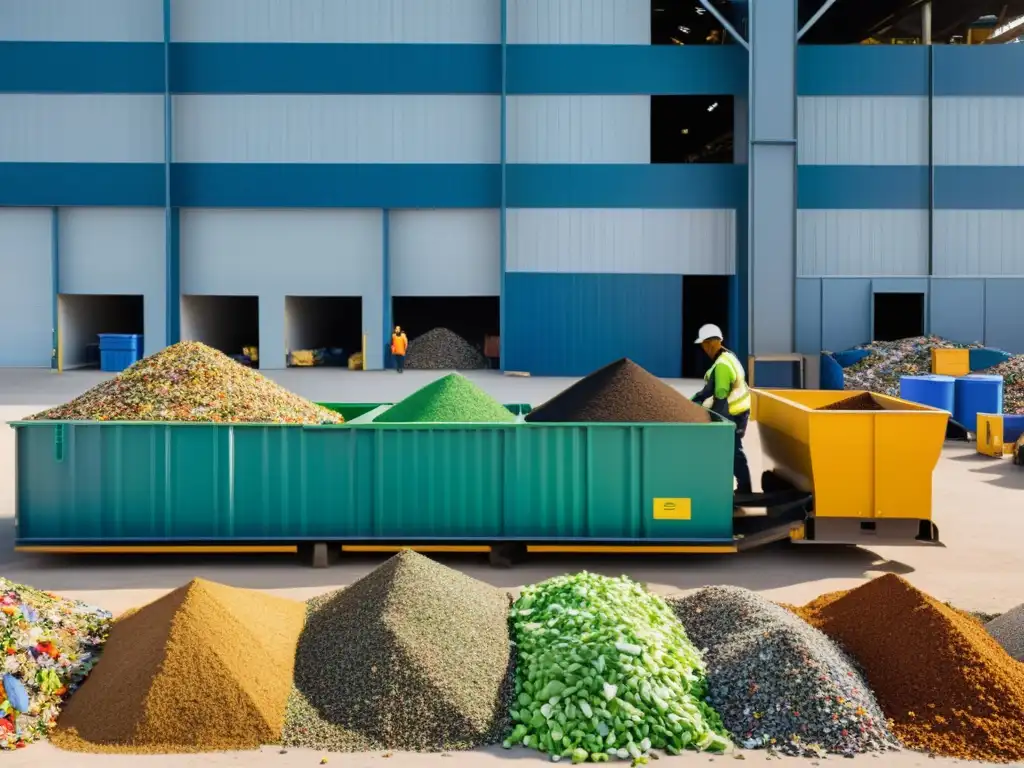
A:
(977, 393)
(1013, 427)
(831, 374)
(850, 357)
(929, 389)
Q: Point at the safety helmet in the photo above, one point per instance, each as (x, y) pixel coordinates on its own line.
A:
(707, 332)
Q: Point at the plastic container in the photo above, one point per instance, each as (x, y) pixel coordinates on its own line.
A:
(830, 374)
(850, 357)
(119, 351)
(951, 362)
(997, 433)
(986, 357)
(977, 393)
(929, 389)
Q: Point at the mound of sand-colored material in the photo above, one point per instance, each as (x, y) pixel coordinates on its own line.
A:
(206, 668)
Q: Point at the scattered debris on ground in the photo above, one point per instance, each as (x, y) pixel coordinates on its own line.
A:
(414, 656)
(620, 392)
(190, 381)
(443, 350)
(777, 682)
(453, 398)
(207, 667)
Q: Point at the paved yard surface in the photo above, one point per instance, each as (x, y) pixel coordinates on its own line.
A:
(978, 506)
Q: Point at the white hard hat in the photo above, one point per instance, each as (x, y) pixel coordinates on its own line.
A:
(709, 331)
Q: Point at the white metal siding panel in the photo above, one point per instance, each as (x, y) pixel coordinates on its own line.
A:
(121, 21)
(579, 129)
(445, 253)
(26, 287)
(978, 243)
(582, 22)
(118, 251)
(862, 130)
(276, 253)
(979, 130)
(337, 129)
(623, 241)
(337, 21)
(93, 128)
(847, 243)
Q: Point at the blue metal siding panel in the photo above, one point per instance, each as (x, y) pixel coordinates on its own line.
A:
(82, 128)
(26, 305)
(622, 241)
(338, 21)
(81, 68)
(958, 310)
(570, 325)
(337, 129)
(74, 20)
(579, 22)
(979, 70)
(808, 316)
(979, 130)
(444, 253)
(833, 243)
(863, 70)
(845, 313)
(993, 188)
(862, 187)
(63, 184)
(978, 243)
(863, 130)
(1003, 328)
(579, 129)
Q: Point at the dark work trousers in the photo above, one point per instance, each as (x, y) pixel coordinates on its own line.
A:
(740, 467)
(400, 362)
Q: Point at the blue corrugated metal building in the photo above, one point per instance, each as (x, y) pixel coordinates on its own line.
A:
(196, 155)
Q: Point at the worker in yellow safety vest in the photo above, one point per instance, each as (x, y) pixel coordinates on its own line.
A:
(725, 385)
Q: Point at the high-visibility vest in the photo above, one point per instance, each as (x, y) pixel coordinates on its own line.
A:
(739, 394)
(399, 342)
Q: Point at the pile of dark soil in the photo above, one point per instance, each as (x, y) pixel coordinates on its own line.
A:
(862, 402)
(620, 392)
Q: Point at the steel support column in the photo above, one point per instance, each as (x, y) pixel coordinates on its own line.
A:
(171, 218)
(503, 211)
(55, 356)
(771, 169)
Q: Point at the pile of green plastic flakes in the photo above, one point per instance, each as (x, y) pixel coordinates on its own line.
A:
(604, 669)
(50, 644)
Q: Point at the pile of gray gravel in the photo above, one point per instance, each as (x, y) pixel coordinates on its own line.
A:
(1008, 630)
(443, 350)
(778, 682)
(414, 656)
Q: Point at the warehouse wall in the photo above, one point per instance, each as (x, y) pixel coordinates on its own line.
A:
(126, 21)
(26, 287)
(117, 251)
(275, 253)
(579, 129)
(568, 22)
(445, 253)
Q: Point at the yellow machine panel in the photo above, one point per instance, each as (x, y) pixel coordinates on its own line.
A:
(858, 464)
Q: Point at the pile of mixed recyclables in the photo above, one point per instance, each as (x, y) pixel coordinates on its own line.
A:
(581, 668)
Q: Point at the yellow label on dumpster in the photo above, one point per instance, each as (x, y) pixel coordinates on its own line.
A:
(671, 509)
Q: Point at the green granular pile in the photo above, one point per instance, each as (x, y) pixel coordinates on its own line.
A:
(451, 399)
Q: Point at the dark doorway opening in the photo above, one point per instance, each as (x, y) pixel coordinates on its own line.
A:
(331, 327)
(705, 300)
(83, 317)
(228, 323)
(692, 129)
(474, 318)
(898, 316)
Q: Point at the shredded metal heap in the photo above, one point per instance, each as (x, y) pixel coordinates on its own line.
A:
(620, 392)
(443, 350)
(207, 667)
(189, 381)
(414, 656)
(777, 682)
(453, 398)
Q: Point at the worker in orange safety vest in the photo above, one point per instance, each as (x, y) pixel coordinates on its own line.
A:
(399, 344)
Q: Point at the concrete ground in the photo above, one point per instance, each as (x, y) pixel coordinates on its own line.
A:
(977, 505)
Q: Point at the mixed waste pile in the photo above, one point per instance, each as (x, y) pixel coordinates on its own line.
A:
(582, 668)
(50, 644)
(190, 381)
(443, 350)
(453, 398)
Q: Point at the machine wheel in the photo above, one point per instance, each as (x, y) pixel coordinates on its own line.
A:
(772, 483)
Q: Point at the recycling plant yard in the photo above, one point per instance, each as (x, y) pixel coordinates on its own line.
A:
(617, 634)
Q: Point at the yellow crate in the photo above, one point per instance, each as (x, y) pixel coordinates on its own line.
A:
(951, 362)
(990, 435)
(860, 464)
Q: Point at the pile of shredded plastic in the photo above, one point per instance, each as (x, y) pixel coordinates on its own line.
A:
(889, 360)
(50, 644)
